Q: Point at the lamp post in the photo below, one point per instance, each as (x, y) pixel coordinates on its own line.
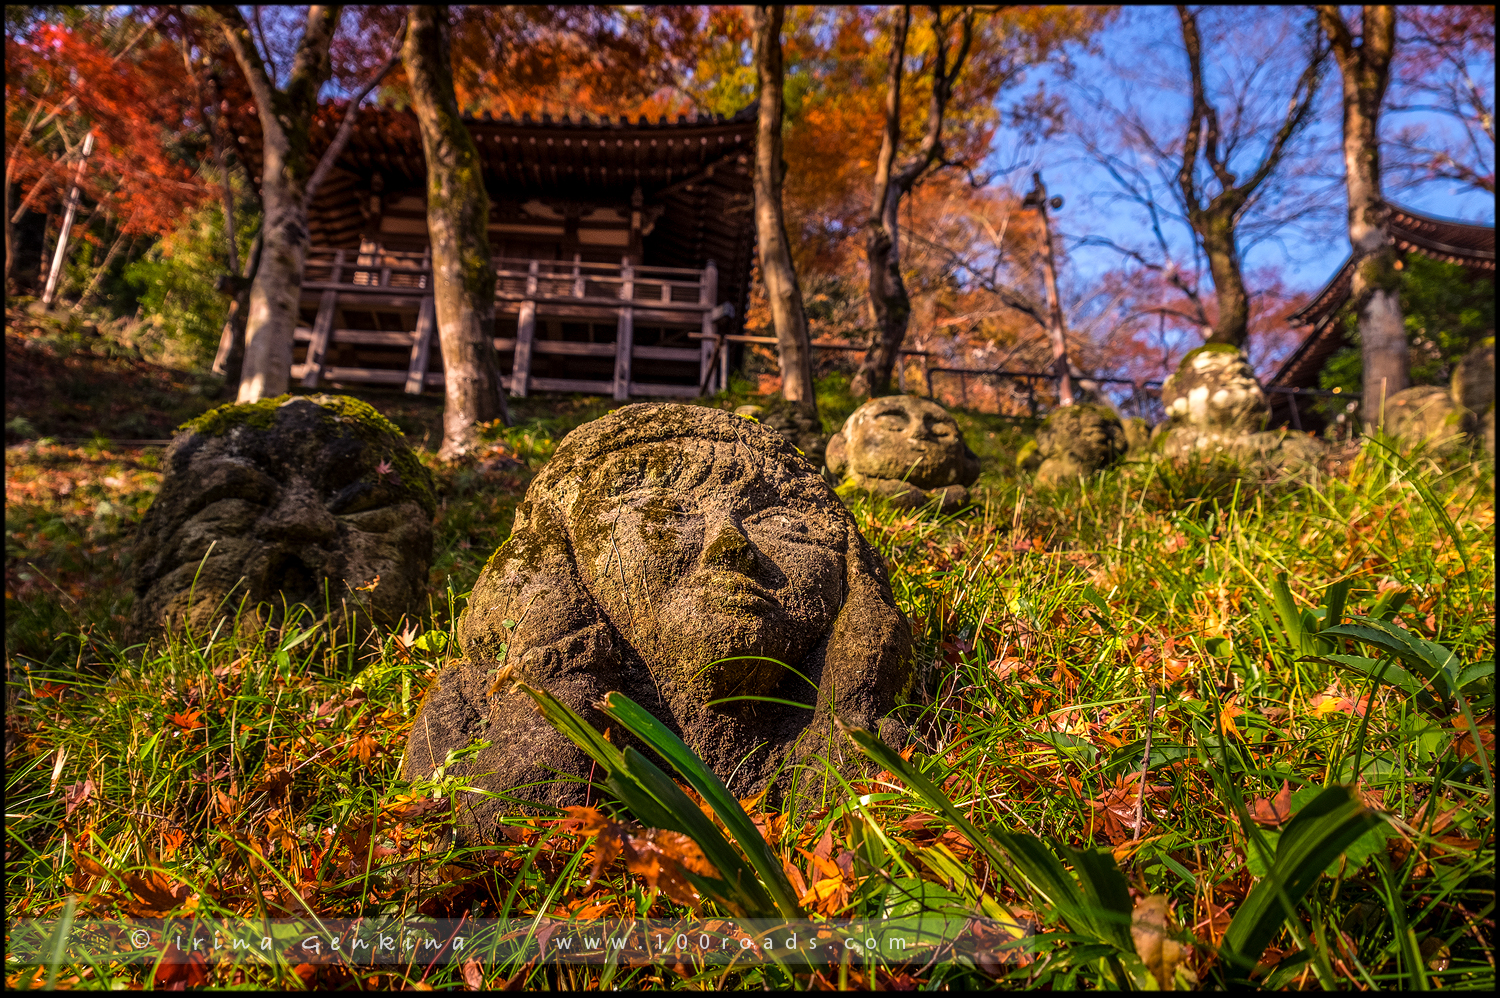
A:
(1037, 198)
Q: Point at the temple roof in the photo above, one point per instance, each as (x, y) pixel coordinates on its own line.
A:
(1463, 243)
(696, 169)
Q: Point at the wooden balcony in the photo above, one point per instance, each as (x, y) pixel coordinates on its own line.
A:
(670, 298)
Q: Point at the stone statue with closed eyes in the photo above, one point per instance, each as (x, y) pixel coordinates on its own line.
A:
(906, 450)
(264, 506)
(694, 561)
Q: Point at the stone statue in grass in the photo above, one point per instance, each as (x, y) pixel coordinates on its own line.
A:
(907, 450)
(1217, 411)
(1077, 440)
(694, 561)
(308, 500)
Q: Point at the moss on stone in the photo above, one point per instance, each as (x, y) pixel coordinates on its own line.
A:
(384, 438)
(1207, 348)
(217, 422)
(1027, 458)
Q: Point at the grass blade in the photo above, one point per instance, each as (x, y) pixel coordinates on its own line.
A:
(665, 743)
(1430, 660)
(739, 885)
(1315, 837)
(658, 802)
(617, 776)
(870, 744)
(1291, 617)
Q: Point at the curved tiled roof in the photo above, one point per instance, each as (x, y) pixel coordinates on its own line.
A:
(696, 169)
(1463, 243)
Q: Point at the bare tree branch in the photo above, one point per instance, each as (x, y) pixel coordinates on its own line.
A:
(346, 127)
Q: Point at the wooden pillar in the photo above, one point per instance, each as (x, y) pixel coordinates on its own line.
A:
(520, 367)
(624, 332)
(321, 334)
(708, 295)
(421, 347)
(706, 358)
(637, 203)
(577, 275)
(927, 373)
(901, 372)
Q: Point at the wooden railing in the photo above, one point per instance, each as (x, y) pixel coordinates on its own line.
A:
(675, 296)
(515, 279)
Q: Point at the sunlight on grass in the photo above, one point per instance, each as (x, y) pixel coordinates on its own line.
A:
(1114, 672)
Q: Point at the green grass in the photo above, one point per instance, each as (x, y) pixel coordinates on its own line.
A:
(1055, 632)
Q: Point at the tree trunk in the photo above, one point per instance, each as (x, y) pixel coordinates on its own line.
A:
(276, 291)
(1233, 323)
(287, 167)
(457, 222)
(1056, 328)
(231, 359)
(889, 304)
(793, 343)
(888, 299)
(1376, 288)
(1214, 221)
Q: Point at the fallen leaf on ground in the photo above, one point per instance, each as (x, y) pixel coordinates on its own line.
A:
(1151, 929)
(1273, 810)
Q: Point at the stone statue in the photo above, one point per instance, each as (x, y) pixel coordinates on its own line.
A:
(1427, 415)
(694, 561)
(1077, 440)
(1217, 411)
(906, 449)
(284, 501)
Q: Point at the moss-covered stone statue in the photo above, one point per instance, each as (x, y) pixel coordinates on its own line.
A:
(1473, 381)
(1078, 440)
(1426, 415)
(284, 501)
(1217, 410)
(907, 450)
(1215, 391)
(677, 554)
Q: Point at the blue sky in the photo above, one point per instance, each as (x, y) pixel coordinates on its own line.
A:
(1139, 56)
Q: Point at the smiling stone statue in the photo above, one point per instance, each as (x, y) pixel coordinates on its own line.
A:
(316, 501)
(908, 450)
(694, 561)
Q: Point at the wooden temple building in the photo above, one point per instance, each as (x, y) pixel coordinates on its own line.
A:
(622, 252)
(1294, 387)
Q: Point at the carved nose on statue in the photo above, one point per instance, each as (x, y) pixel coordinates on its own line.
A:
(298, 516)
(730, 549)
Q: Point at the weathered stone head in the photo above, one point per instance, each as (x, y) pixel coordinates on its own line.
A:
(279, 502)
(1427, 415)
(1215, 392)
(668, 552)
(1078, 440)
(906, 449)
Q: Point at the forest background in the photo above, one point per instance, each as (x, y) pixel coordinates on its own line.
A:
(1095, 98)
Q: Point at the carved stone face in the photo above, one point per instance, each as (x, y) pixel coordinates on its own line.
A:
(901, 437)
(694, 571)
(305, 507)
(658, 541)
